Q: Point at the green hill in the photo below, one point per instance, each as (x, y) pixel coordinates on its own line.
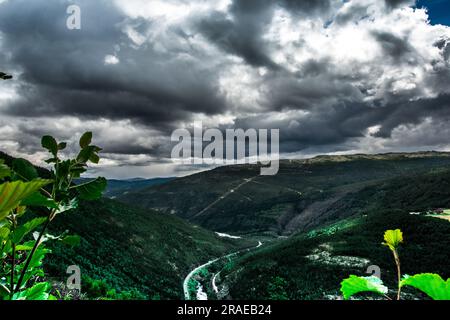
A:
(132, 248)
(303, 195)
(311, 265)
(319, 219)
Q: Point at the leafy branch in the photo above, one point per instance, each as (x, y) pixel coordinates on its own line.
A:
(21, 190)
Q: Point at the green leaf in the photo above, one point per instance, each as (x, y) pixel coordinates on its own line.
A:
(92, 190)
(62, 146)
(39, 291)
(12, 193)
(38, 257)
(26, 228)
(4, 170)
(51, 160)
(94, 158)
(38, 200)
(85, 154)
(72, 240)
(4, 291)
(355, 284)
(4, 233)
(49, 143)
(431, 284)
(72, 204)
(393, 238)
(24, 169)
(85, 139)
(24, 248)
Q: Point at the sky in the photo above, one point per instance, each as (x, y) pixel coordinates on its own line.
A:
(335, 76)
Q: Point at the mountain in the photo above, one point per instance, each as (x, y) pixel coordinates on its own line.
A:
(310, 265)
(318, 221)
(135, 249)
(303, 195)
(130, 248)
(117, 187)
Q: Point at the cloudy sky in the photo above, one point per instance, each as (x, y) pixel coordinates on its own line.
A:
(334, 76)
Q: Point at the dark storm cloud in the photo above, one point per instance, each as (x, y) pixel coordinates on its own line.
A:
(172, 70)
(395, 47)
(414, 112)
(392, 4)
(307, 6)
(64, 71)
(241, 33)
(333, 125)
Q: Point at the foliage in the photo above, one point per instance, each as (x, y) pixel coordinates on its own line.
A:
(393, 238)
(100, 289)
(138, 249)
(354, 285)
(431, 284)
(29, 203)
(385, 204)
(277, 289)
(276, 204)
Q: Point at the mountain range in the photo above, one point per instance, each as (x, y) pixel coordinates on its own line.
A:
(296, 234)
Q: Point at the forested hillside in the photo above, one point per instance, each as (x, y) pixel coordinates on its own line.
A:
(303, 195)
(311, 265)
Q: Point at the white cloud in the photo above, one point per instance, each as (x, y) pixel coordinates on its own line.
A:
(110, 59)
(325, 63)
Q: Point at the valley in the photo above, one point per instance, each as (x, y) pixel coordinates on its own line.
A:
(229, 233)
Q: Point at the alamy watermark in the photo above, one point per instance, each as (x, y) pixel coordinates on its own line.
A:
(73, 21)
(212, 147)
(74, 280)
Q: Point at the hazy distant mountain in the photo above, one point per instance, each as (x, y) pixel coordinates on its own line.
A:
(117, 187)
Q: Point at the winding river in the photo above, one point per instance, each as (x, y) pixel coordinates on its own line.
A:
(201, 295)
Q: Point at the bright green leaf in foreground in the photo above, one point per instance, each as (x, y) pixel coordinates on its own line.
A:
(354, 285)
(26, 228)
(393, 238)
(12, 193)
(431, 284)
(39, 291)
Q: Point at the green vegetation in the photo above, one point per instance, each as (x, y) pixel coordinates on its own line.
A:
(304, 195)
(314, 263)
(431, 284)
(135, 249)
(122, 252)
(332, 208)
(29, 203)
